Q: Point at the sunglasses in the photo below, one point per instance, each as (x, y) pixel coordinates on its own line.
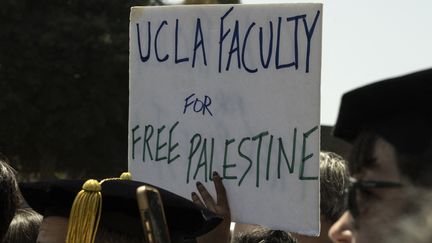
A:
(357, 186)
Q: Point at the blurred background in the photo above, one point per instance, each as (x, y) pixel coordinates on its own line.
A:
(64, 86)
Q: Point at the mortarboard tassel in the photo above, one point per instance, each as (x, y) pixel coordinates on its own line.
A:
(85, 214)
(126, 176)
(86, 211)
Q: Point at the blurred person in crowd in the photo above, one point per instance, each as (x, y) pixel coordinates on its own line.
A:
(8, 195)
(24, 227)
(73, 212)
(389, 125)
(263, 235)
(334, 179)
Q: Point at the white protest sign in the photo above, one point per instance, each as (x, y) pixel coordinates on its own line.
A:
(233, 89)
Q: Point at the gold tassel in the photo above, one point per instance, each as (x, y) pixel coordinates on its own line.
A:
(85, 214)
(126, 176)
(86, 211)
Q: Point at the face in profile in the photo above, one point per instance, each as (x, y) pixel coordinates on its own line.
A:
(376, 207)
(342, 230)
(53, 230)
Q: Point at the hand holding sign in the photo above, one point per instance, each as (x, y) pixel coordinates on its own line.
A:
(221, 234)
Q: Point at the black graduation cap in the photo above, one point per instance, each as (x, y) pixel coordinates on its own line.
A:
(119, 208)
(398, 109)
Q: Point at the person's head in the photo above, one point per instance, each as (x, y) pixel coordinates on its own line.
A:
(388, 124)
(109, 211)
(24, 227)
(334, 179)
(54, 230)
(8, 195)
(264, 235)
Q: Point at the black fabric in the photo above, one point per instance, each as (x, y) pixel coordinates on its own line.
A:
(398, 109)
(119, 206)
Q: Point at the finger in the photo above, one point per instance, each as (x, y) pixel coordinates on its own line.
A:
(197, 200)
(207, 198)
(222, 199)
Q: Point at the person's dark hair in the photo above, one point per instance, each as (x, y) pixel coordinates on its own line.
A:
(414, 167)
(8, 195)
(334, 178)
(362, 152)
(24, 227)
(263, 235)
(105, 235)
(417, 167)
(108, 236)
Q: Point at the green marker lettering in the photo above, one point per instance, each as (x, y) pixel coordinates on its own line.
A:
(244, 157)
(269, 157)
(134, 141)
(192, 151)
(211, 160)
(170, 147)
(282, 152)
(159, 146)
(259, 137)
(147, 136)
(304, 157)
(202, 162)
(225, 164)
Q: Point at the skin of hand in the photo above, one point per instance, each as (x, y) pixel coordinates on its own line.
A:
(220, 234)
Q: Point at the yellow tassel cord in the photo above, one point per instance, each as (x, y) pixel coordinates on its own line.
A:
(85, 214)
(86, 211)
(126, 176)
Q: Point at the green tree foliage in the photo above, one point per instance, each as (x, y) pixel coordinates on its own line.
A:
(64, 85)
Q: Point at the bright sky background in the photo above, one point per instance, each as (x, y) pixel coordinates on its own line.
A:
(368, 40)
